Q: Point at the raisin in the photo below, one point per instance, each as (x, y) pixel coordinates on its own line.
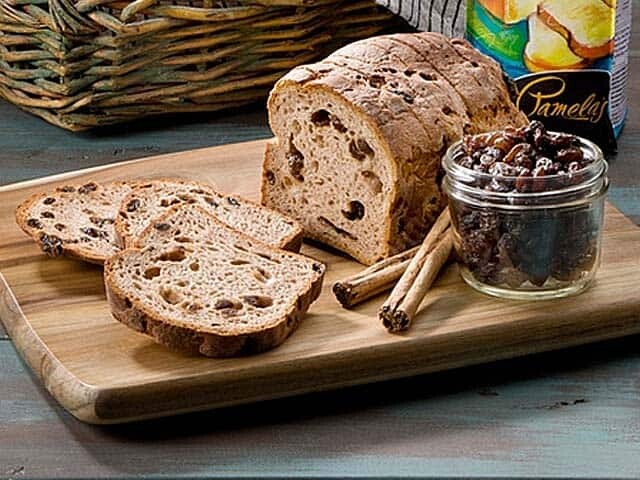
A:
(133, 205)
(51, 245)
(162, 227)
(259, 301)
(93, 232)
(405, 96)
(59, 227)
(233, 201)
(377, 81)
(88, 187)
(317, 267)
(49, 200)
(211, 201)
(101, 222)
(355, 211)
(271, 177)
(34, 223)
(67, 189)
(360, 149)
(337, 124)
(569, 155)
(296, 164)
(47, 215)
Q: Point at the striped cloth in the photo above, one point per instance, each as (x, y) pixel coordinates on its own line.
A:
(444, 16)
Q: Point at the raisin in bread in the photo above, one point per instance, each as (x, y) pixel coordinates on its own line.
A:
(360, 135)
(199, 286)
(151, 199)
(75, 220)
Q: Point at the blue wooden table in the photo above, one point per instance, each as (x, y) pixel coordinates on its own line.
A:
(572, 413)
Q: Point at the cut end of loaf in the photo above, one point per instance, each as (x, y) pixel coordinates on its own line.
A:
(326, 170)
(201, 287)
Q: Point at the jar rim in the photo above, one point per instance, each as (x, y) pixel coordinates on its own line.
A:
(592, 173)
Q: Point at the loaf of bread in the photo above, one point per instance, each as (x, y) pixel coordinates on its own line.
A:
(151, 199)
(75, 220)
(359, 137)
(198, 286)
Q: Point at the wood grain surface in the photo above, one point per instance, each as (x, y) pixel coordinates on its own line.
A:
(102, 372)
(571, 413)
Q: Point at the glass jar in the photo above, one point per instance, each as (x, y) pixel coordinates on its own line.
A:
(527, 237)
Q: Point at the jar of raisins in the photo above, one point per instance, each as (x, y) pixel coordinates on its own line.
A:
(527, 210)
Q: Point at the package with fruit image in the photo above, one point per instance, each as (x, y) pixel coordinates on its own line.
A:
(568, 59)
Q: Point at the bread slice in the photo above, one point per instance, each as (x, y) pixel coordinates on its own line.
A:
(75, 220)
(510, 11)
(548, 50)
(200, 287)
(587, 25)
(360, 135)
(151, 199)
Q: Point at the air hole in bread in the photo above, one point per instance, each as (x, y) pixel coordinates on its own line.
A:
(194, 266)
(335, 228)
(427, 77)
(409, 72)
(191, 307)
(227, 304)
(354, 210)
(261, 275)
(372, 180)
(170, 295)
(237, 246)
(321, 118)
(360, 149)
(239, 261)
(286, 182)
(474, 64)
(182, 239)
(447, 110)
(267, 257)
(173, 255)
(182, 283)
(151, 272)
(258, 301)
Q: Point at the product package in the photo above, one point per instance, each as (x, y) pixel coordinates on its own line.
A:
(568, 59)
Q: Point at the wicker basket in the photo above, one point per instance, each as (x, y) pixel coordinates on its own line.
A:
(84, 63)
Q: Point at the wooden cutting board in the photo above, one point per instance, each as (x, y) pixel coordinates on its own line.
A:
(102, 372)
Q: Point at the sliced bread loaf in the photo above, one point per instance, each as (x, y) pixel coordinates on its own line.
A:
(151, 199)
(199, 286)
(360, 135)
(75, 220)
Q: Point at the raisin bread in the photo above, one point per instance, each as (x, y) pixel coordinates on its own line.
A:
(360, 135)
(75, 220)
(199, 286)
(151, 199)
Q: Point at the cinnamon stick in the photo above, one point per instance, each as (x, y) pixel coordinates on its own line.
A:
(398, 311)
(373, 280)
